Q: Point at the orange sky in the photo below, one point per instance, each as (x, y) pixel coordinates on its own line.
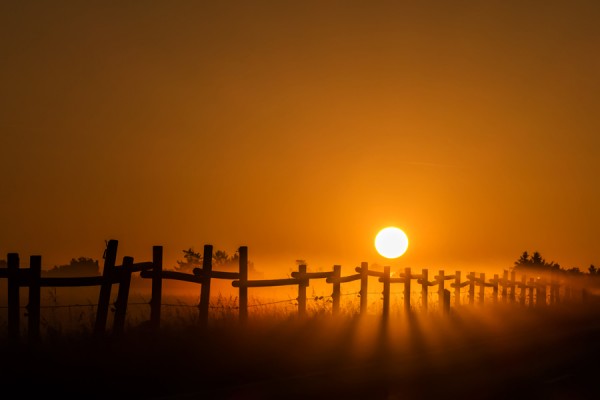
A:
(300, 129)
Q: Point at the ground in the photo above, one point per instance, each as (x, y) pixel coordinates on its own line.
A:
(493, 352)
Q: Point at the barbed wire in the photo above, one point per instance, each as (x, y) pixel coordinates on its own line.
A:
(465, 291)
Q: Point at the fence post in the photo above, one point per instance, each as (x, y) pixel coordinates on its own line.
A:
(205, 285)
(505, 284)
(446, 305)
(441, 287)
(425, 289)
(156, 300)
(544, 285)
(14, 306)
(523, 292)
(495, 288)
(33, 308)
(335, 296)
(302, 285)
(481, 288)
(472, 288)
(407, 279)
(512, 294)
(531, 286)
(541, 293)
(364, 283)
(457, 288)
(110, 257)
(243, 289)
(124, 274)
(554, 289)
(386, 293)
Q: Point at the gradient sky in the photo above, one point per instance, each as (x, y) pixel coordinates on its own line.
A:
(300, 129)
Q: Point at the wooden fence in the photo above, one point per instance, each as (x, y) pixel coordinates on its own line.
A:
(525, 291)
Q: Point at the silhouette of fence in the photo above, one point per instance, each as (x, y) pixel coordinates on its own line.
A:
(535, 291)
(112, 274)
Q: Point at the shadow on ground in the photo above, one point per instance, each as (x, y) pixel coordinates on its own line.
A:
(496, 352)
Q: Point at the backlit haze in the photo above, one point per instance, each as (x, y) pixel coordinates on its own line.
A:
(300, 129)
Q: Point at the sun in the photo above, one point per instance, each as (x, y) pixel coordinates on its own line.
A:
(391, 242)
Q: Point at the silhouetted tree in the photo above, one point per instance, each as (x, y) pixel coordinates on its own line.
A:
(523, 261)
(192, 259)
(223, 260)
(593, 270)
(537, 259)
(220, 257)
(535, 263)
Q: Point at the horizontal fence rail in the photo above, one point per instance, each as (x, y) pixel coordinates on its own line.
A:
(523, 291)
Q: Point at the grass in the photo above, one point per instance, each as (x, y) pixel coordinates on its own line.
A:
(67, 313)
(491, 351)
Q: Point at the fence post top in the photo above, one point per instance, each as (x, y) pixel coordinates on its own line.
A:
(362, 268)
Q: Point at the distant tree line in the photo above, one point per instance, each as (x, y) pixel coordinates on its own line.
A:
(536, 263)
(81, 266)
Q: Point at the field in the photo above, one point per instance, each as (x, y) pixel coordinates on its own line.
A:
(476, 352)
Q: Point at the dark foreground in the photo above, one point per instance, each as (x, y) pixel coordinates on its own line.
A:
(492, 353)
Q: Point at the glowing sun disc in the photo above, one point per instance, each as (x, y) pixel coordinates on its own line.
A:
(391, 242)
